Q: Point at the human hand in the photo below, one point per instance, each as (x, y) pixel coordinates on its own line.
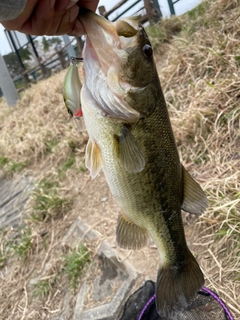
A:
(50, 17)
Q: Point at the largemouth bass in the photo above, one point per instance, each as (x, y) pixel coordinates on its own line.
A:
(131, 140)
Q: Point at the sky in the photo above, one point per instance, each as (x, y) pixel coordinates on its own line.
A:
(180, 7)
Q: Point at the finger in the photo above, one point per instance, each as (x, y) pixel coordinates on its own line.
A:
(47, 20)
(63, 5)
(18, 23)
(68, 21)
(63, 23)
(41, 19)
(77, 29)
(54, 25)
(89, 4)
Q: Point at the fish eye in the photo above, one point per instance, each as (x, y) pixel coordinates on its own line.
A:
(147, 51)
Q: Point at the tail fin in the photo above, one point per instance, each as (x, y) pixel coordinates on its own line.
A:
(177, 286)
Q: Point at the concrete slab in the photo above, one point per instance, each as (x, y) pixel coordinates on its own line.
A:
(111, 284)
(14, 195)
(114, 273)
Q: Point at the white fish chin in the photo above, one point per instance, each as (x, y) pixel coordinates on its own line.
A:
(103, 83)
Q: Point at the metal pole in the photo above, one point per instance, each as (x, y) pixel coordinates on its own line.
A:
(7, 84)
(157, 6)
(153, 12)
(33, 45)
(122, 13)
(70, 50)
(16, 50)
(171, 7)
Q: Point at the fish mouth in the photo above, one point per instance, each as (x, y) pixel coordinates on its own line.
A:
(107, 45)
(102, 40)
(109, 40)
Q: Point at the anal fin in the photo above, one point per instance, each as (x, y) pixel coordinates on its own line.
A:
(194, 198)
(130, 154)
(129, 235)
(93, 158)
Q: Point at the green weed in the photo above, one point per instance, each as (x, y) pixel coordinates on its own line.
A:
(50, 145)
(3, 161)
(231, 225)
(2, 260)
(197, 12)
(195, 18)
(82, 169)
(164, 30)
(43, 287)
(14, 167)
(74, 264)
(22, 246)
(70, 161)
(237, 59)
(76, 144)
(10, 167)
(47, 201)
(4, 248)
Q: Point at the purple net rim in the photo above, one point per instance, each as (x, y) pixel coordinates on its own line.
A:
(222, 304)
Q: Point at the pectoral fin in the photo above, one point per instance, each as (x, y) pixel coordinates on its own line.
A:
(195, 200)
(129, 235)
(130, 154)
(93, 158)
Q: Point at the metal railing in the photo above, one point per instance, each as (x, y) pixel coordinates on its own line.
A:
(149, 9)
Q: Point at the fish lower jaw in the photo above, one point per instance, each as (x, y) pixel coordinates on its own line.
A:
(104, 59)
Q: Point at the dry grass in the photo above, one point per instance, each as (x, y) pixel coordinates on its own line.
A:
(38, 130)
(200, 77)
(201, 82)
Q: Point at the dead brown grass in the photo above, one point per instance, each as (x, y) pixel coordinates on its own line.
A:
(202, 87)
(200, 77)
(38, 130)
